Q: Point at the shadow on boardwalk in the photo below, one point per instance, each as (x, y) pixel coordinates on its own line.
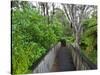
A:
(63, 60)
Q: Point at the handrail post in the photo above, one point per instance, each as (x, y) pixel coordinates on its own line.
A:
(80, 60)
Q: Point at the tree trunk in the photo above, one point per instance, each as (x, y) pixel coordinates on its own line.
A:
(47, 13)
(43, 9)
(77, 39)
(53, 6)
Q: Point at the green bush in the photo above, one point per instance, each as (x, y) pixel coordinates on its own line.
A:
(31, 38)
(89, 39)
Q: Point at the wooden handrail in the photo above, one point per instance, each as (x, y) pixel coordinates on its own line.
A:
(81, 60)
(46, 62)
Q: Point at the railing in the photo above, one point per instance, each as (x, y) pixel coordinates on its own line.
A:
(80, 60)
(46, 63)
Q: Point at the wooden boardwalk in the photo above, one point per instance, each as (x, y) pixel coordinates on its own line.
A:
(63, 60)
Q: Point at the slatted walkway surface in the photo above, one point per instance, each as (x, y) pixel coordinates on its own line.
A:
(63, 60)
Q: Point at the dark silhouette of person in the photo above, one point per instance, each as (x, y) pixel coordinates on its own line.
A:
(63, 42)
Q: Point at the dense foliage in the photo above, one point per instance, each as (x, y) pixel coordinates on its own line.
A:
(34, 33)
(89, 39)
(31, 37)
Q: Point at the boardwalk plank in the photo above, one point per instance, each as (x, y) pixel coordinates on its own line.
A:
(63, 60)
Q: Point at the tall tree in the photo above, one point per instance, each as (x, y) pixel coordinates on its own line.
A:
(47, 11)
(76, 14)
(21, 4)
(42, 5)
(53, 12)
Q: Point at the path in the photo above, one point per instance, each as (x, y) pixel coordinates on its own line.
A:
(63, 60)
